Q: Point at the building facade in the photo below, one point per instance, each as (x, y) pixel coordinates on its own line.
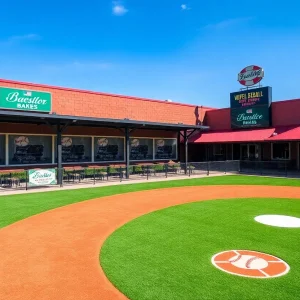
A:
(278, 142)
(31, 144)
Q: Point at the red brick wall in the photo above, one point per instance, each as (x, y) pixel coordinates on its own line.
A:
(286, 112)
(218, 119)
(91, 104)
(283, 113)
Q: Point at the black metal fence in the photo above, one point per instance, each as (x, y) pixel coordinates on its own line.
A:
(270, 168)
(96, 174)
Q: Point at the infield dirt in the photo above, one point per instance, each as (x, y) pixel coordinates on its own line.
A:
(55, 255)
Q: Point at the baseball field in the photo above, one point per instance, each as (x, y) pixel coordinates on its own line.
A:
(227, 237)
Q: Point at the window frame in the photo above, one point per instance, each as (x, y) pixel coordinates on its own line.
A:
(282, 143)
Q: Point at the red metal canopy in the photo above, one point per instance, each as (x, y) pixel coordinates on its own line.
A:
(252, 135)
(288, 133)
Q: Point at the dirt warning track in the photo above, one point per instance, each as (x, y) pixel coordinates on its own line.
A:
(55, 255)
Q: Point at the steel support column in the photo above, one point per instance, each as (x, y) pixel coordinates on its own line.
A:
(127, 151)
(178, 146)
(59, 155)
(185, 151)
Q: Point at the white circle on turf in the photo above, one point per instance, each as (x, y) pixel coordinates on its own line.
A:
(279, 221)
(248, 263)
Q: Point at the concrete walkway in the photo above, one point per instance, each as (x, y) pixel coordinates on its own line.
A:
(15, 191)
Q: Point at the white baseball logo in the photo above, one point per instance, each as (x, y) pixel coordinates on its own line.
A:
(135, 143)
(66, 141)
(103, 142)
(160, 143)
(22, 141)
(248, 262)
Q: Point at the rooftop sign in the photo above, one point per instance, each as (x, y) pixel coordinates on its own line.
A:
(250, 75)
(251, 108)
(26, 100)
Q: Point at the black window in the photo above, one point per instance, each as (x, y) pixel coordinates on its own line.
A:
(281, 151)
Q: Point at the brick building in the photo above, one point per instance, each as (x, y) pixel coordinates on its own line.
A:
(278, 142)
(93, 132)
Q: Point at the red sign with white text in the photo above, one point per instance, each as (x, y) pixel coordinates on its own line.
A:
(250, 75)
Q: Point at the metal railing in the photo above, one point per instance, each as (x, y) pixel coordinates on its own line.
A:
(99, 174)
(281, 168)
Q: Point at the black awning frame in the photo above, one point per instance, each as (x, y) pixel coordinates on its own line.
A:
(42, 118)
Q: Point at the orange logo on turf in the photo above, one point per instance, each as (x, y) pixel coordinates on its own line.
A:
(248, 263)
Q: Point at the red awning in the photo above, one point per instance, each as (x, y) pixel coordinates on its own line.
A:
(253, 135)
(288, 133)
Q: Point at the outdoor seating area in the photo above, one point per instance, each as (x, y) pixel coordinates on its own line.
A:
(18, 178)
(95, 174)
(12, 178)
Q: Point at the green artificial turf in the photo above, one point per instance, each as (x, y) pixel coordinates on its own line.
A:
(166, 254)
(17, 207)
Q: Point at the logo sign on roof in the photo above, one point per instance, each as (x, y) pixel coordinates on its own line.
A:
(18, 99)
(250, 98)
(250, 75)
(251, 108)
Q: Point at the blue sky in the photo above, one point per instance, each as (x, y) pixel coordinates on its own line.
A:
(187, 51)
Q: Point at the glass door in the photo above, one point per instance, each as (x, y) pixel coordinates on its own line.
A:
(254, 152)
(244, 152)
(299, 156)
(250, 152)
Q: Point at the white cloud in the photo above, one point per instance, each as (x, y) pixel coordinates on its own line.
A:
(20, 38)
(184, 7)
(228, 22)
(119, 9)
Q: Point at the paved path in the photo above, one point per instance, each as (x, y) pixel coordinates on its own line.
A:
(75, 186)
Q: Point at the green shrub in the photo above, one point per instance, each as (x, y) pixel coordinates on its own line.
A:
(101, 170)
(159, 168)
(138, 169)
(112, 170)
(21, 175)
(89, 171)
(68, 171)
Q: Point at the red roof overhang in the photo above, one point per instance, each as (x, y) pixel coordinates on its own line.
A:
(283, 133)
(252, 135)
(288, 133)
